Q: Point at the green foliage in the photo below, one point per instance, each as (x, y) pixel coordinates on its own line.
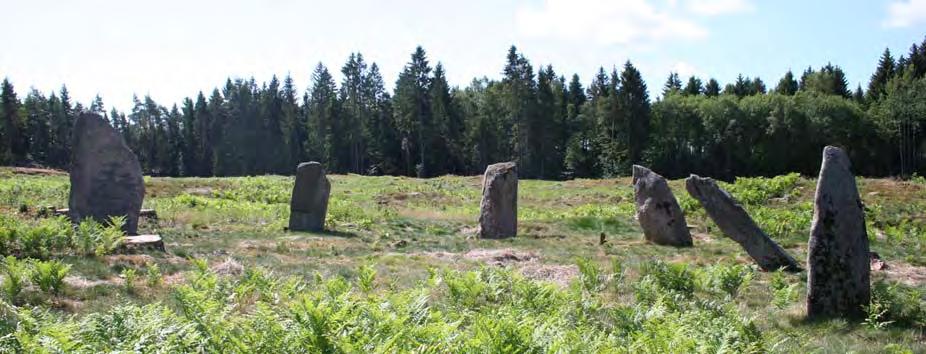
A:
(512, 315)
(153, 275)
(129, 275)
(366, 275)
(590, 274)
(727, 279)
(49, 275)
(15, 275)
(783, 292)
(898, 304)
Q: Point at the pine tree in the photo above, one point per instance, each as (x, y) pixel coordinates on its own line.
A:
(448, 126)
(322, 110)
(673, 85)
(758, 87)
(384, 148)
(14, 141)
(215, 108)
(712, 89)
(355, 113)
(635, 106)
(38, 126)
(787, 85)
(294, 125)
(883, 74)
(413, 112)
(190, 156)
(521, 93)
(693, 87)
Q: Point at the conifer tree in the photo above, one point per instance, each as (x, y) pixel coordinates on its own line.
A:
(693, 87)
(883, 74)
(413, 112)
(787, 85)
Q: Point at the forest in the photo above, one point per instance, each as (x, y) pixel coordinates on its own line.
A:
(554, 126)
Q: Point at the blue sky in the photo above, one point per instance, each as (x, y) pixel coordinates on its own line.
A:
(171, 49)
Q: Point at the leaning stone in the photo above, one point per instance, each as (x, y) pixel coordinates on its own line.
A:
(736, 223)
(498, 211)
(838, 277)
(658, 212)
(132, 244)
(106, 178)
(309, 203)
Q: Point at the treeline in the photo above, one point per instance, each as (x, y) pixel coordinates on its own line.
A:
(552, 126)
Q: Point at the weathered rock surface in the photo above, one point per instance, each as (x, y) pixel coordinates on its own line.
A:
(736, 223)
(309, 203)
(838, 260)
(498, 212)
(658, 211)
(106, 178)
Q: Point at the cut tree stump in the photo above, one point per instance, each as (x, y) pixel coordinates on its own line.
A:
(132, 244)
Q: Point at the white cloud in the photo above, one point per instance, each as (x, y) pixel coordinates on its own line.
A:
(905, 13)
(686, 70)
(624, 22)
(718, 7)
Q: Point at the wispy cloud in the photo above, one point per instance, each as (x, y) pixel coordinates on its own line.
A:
(623, 22)
(905, 13)
(718, 7)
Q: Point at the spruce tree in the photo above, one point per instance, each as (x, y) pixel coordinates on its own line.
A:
(413, 112)
(787, 85)
(635, 106)
(693, 87)
(673, 85)
(712, 89)
(14, 140)
(883, 74)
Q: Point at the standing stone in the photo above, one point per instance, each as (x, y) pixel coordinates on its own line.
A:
(106, 179)
(310, 198)
(658, 212)
(838, 257)
(498, 212)
(736, 223)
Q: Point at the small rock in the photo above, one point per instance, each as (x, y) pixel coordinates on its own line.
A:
(876, 262)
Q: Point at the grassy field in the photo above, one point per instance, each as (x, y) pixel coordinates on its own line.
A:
(400, 271)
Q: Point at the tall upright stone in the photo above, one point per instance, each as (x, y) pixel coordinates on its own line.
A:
(658, 212)
(498, 212)
(309, 203)
(736, 223)
(838, 278)
(106, 178)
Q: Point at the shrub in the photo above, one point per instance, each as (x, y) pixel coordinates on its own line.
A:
(589, 274)
(727, 279)
(670, 276)
(49, 275)
(783, 293)
(898, 304)
(366, 275)
(129, 275)
(153, 275)
(15, 273)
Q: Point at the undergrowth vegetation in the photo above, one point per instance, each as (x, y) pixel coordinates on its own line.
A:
(399, 270)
